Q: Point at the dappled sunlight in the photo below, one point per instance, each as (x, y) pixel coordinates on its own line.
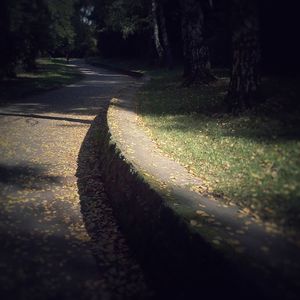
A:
(48, 226)
(173, 124)
(26, 176)
(250, 159)
(87, 96)
(179, 157)
(33, 116)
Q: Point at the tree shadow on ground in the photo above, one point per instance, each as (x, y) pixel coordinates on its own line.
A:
(26, 176)
(84, 98)
(277, 114)
(48, 75)
(42, 266)
(47, 118)
(44, 254)
(243, 127)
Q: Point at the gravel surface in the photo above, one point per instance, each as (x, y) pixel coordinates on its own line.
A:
(59, 238)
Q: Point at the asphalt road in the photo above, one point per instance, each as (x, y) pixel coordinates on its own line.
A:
(57, 242)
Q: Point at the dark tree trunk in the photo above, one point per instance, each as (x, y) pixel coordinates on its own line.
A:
(165, 37)
(245, 78)
(29, 59)
(186, 57)
(195, 50)
(156, 35)
(7, 49)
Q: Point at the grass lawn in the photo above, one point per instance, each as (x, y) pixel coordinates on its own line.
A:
(252, 159)
(50, 74)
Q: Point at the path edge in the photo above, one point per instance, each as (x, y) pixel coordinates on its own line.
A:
(162, 239)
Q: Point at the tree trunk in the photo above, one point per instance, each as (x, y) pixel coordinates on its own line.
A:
(165, 38)
(195, 50)
(245, 78)
(7, 49)
(156, 35)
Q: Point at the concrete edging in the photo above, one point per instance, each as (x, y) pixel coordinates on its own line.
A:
(178, 258)
(166, 245)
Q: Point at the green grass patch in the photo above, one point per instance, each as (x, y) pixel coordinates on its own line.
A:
(252, 159)
(50, 74)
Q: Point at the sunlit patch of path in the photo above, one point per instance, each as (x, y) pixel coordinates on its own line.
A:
(45, 251)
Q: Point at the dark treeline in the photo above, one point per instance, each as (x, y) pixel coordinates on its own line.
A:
(33, 28)
(250, 37)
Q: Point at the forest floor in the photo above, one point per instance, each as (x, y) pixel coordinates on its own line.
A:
(252, 160)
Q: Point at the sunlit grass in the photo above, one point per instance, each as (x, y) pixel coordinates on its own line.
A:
(49, 74)
(252, 159)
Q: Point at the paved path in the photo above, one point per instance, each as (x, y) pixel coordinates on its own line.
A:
(46, 252)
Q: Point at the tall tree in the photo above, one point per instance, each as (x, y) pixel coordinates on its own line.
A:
(32, 30)
(85, 43)
(165, 36)
(124, 16)
(156, 32)
(197, 67)
(120, 21)
(61, 26)
(245, 76)
(29, 28)
(24, 33)
(8, 56)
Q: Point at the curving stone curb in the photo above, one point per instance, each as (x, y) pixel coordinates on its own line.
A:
(183, 259)
(163, 243)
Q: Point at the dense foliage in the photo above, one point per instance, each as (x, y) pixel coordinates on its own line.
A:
(199, 33)
(29, 29)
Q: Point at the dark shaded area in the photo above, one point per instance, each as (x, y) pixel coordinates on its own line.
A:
(279, 112)
(86, 98)
(29, 259)
(33, 249)
(112, 44)
(24, 176)
(116, 260)
(279, 30)
(47, 118)
(51, 74)
(124, 29)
